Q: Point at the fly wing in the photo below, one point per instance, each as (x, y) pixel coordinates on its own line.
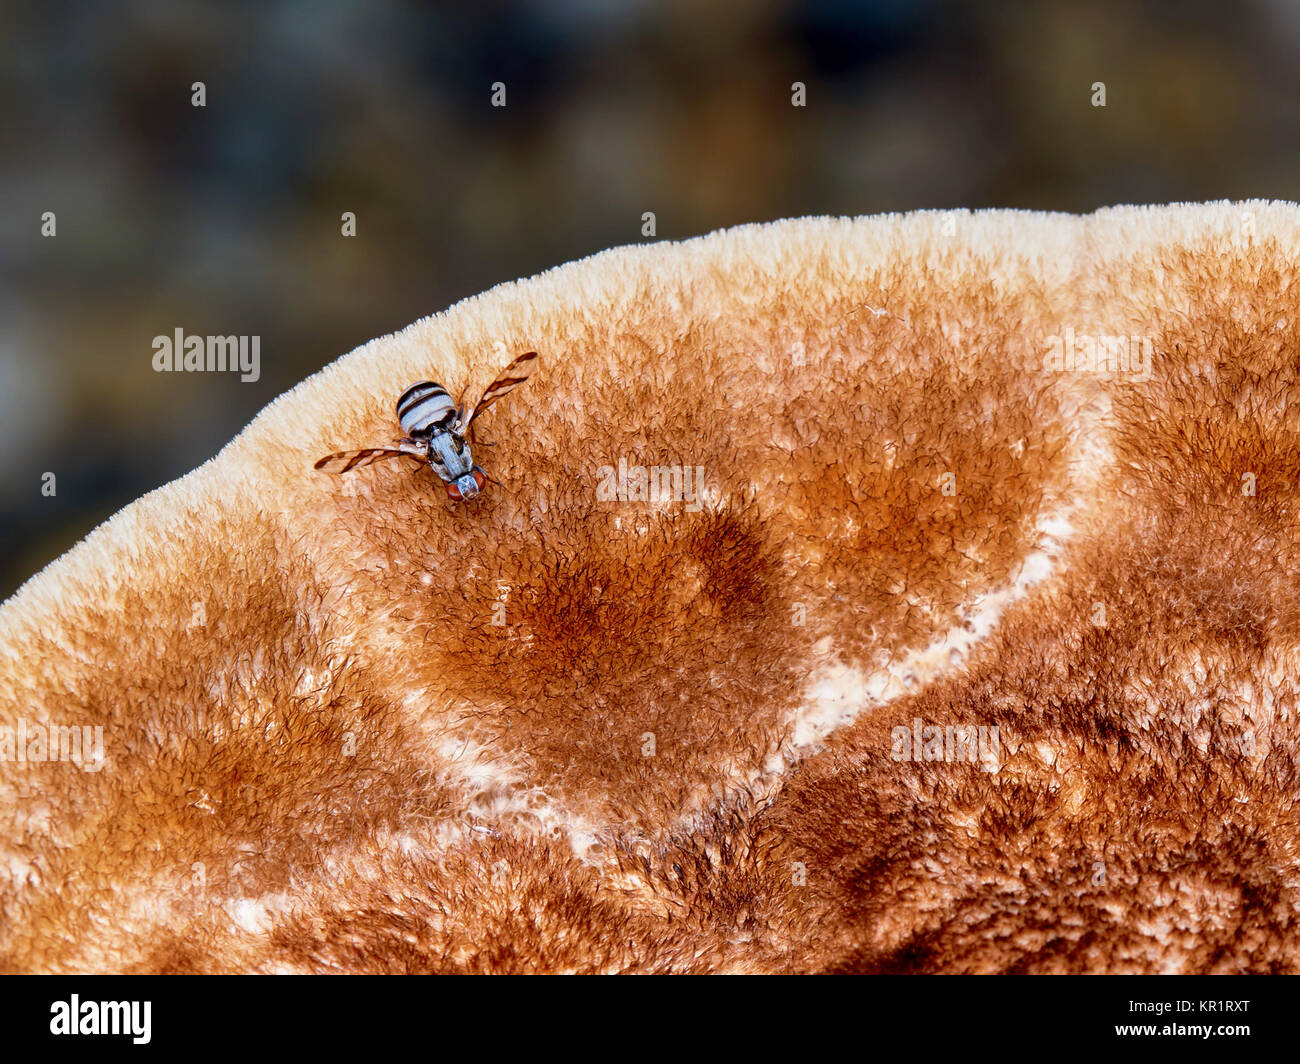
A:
(346, 461)
(509, 379)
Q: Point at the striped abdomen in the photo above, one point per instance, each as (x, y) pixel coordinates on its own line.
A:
(425, 408)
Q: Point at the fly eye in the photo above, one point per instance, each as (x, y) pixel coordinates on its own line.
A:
(453, 491)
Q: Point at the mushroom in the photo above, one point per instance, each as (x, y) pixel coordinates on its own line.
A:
(876, 594)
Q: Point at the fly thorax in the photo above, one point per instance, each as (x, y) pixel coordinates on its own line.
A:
(449, 455)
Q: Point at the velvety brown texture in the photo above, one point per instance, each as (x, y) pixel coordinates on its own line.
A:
(350, 725)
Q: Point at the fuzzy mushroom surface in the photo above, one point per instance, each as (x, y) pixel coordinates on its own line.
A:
(902, 593)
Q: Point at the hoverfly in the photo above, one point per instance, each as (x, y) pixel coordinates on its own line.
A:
(438, 432)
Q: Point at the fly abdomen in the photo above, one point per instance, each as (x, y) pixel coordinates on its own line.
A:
(424, 408)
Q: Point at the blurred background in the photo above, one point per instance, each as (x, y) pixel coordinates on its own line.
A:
(226, 219)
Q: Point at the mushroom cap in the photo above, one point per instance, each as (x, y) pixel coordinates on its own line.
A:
(835, 570)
